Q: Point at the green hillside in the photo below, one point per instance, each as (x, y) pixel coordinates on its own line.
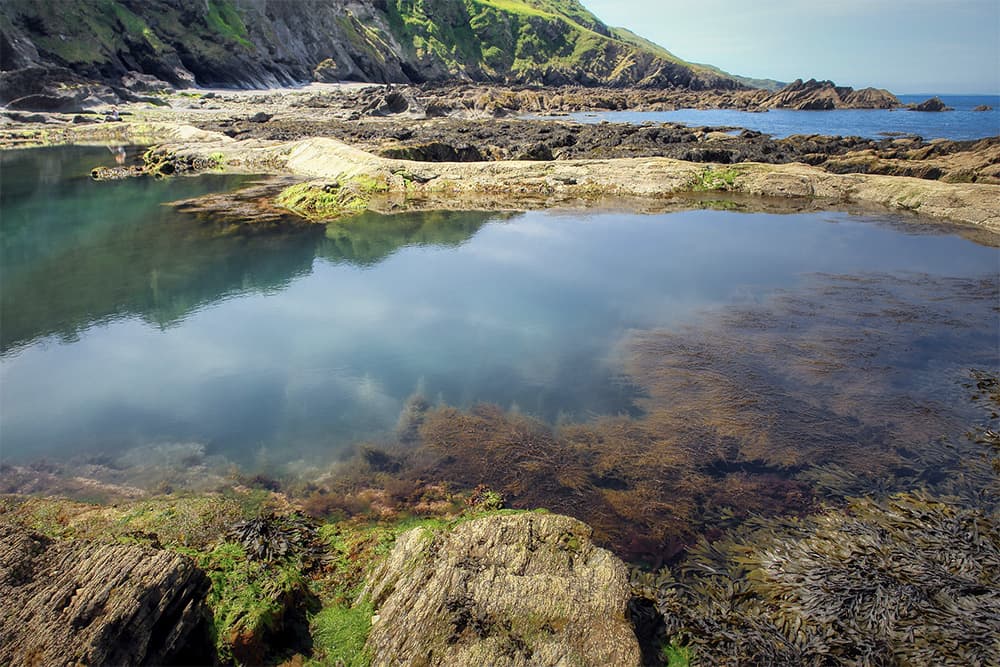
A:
(238, 43)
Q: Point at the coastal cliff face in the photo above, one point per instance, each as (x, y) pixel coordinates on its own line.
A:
(261, 43)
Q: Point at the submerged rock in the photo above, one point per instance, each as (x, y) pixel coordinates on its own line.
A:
(502, 590)
(78, 602)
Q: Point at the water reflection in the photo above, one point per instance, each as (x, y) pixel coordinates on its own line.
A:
(126, 324)
(98, 252)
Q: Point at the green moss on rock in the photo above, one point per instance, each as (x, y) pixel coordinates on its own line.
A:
(322, 201)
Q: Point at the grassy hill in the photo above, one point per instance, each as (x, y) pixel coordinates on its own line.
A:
(237, 43)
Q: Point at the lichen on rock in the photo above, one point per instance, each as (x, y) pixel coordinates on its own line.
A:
(80, 602)
(505, 589)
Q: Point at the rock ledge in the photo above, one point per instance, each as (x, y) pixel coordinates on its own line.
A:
(502, 590)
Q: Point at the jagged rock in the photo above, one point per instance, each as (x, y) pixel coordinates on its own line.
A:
(52, 89)
(391, 101)
(816, 95)
(933, 104)
(83, 603)
(983, 107)
(327, 72)
(870, 98)
(502, 590)
(138, 82)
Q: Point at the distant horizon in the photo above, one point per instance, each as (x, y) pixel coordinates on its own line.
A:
(944, 48)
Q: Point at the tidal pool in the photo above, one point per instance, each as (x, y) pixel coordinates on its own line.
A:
(127, 325)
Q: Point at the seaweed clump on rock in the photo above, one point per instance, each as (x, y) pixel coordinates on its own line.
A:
(910, 580)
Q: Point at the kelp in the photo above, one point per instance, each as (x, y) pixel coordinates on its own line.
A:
(271, 537)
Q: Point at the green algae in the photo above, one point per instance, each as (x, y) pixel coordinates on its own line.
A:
(339, 634)
(712, 179)
(248, 598)
(330, 201)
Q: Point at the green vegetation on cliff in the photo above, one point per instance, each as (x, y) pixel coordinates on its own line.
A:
(547, 41)
(223, 42)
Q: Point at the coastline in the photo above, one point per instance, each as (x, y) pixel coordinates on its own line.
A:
(395, 150)
(336, 180)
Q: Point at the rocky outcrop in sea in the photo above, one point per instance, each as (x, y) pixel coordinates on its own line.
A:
(813, 95)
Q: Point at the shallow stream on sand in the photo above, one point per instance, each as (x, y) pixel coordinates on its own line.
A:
(760, 344)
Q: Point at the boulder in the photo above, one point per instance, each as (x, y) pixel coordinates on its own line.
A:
(78, 602)
(390, 101)
(933, 104)
(327, 72)
(983, 107)
(137, 82)
(502, 590)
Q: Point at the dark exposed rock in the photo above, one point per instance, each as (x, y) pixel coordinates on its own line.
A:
(455, 140)
(502, 590)
(51, 89)
(933, 104)
(116, 173)
(390, 101)
(326, 72)
(77, 602)
(144, 83)
(983, 107)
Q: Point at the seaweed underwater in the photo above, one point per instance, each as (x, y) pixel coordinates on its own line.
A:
(851, 386)
(812, 479)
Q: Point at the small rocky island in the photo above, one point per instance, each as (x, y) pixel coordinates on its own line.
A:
(408, 557)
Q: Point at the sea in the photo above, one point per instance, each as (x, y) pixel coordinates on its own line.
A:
(960, 124)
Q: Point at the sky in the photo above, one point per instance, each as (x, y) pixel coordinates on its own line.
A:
(906, 46)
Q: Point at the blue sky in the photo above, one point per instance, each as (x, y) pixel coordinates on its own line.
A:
(907, 46)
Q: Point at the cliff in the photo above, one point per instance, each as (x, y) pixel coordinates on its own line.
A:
(263, 43)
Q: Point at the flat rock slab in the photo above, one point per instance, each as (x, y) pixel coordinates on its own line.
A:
(505, 590)
(84, 603)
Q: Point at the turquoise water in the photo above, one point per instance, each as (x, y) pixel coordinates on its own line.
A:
(962, 123)
(125, 323)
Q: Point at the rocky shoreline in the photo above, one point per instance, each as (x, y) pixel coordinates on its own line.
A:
(421, 146)
(243, 574)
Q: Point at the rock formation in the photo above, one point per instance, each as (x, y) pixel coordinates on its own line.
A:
(933, 104)
(77, 602)
(502, 590)
(813, 95)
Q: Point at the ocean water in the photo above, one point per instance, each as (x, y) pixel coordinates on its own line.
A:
(962, 123)
(127, 324)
